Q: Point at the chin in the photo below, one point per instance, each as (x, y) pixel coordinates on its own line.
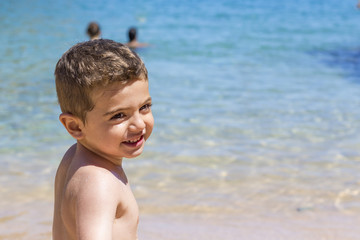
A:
(134, 154)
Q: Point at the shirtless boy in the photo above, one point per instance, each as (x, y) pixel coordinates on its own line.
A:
(102, 88)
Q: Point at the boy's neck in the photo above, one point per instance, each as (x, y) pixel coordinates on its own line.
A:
(94, 156)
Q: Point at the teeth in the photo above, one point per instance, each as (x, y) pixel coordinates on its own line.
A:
(134, 141)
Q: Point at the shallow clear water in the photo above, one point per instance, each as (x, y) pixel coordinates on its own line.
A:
(256, 108)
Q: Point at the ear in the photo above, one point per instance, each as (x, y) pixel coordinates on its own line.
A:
(73, 125)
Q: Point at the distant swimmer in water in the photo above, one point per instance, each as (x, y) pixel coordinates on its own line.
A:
(133, 43)
(93, 31)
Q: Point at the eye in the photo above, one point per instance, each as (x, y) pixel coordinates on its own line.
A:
(146, 107)
(118, 116)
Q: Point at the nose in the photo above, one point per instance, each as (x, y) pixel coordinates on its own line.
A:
(137, 123)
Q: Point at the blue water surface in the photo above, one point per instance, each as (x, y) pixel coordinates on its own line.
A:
(254, 93)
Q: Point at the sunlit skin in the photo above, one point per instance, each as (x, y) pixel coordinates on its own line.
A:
(121, 114)
(93, 199)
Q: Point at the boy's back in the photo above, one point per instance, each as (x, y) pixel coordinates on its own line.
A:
(95, 188)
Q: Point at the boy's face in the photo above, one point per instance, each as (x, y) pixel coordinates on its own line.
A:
(120, 122)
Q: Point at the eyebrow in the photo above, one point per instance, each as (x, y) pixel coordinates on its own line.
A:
(123, 109)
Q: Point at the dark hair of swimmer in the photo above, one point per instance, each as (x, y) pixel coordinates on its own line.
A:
(132, 34)
(93, 29)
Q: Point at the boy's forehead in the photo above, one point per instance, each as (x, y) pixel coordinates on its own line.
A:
(113, 88)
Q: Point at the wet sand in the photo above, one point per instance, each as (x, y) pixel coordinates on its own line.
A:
(214, 227)
(33, 220)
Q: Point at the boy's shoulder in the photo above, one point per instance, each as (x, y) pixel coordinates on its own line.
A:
(85, 176)
(98, 176)
(93, 183)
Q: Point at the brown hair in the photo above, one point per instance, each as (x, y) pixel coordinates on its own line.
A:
(93, 30)
(90, 65)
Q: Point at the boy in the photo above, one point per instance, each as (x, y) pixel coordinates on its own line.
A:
(102, 88)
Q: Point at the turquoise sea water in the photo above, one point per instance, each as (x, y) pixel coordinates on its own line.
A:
(256, 109)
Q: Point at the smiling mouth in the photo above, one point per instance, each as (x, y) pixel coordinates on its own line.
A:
(134, 141)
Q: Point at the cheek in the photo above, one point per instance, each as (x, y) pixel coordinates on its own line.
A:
(109, 133)
(119, 130)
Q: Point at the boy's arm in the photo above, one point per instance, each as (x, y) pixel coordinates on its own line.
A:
(95, 207)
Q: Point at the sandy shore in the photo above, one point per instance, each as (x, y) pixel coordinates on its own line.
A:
(309, 225)
(215, 227)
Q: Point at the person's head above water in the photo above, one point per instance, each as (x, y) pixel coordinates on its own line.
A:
(133, 42)
(93, 30)
(132, 34)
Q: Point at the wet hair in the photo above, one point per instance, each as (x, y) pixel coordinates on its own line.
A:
(93, 30)
(92, 65)
(132, 34)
